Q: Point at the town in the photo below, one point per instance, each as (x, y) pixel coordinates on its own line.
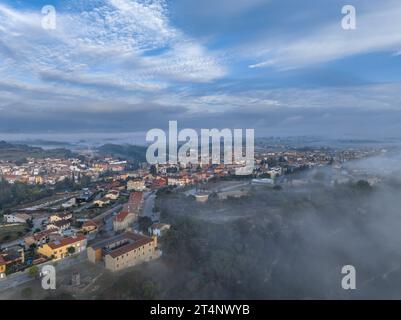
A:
(106, 212)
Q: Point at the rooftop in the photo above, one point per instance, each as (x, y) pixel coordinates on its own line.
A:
(65, 242)
(39, 235)
(121, 244)
(121, 216)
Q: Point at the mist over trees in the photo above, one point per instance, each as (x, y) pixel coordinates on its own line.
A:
(289, 243)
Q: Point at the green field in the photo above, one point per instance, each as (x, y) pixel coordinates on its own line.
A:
(11, 233)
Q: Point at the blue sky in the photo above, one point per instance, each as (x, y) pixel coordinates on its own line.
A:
(283, 67)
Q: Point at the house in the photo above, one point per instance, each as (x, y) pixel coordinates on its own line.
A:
(14, 258)
(124, 219)
(16, 218)
(135, 202)
(39, 238)
(136, 185)
(91, 226)
(158, 229)
(102, 202)
(60, 249)
(112, 195)
(129, 213)
(60, 226)
(123, 251)
(2, 267)
(159, 182)
(60, 217)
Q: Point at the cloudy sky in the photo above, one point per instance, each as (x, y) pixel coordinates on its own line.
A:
(283, 67)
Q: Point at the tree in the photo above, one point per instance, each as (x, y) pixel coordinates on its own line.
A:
(71, 250)
(33, 271)
(153, 170)
(363, 185)
(149, 290)
(144, 224)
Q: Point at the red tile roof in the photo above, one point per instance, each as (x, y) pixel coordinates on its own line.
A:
(2, 261)
(39, 235)
(65, 242)
(121, 216)
(136, 242)
(90, 223)
(135, 198)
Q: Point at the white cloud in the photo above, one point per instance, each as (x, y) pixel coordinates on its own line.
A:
(104, 48)
(378, 29)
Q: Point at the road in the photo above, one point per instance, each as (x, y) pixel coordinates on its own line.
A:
(148, 207)
(19, 278)
(16, 279)
(109, 212)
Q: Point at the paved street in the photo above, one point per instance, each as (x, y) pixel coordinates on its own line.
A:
(148, 206)
(19, 278)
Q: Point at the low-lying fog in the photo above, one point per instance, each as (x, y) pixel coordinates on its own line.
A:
(293, 243)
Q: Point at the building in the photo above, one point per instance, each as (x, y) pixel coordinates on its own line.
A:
(263, 181)
(129, 213)
(2, 267)
(224, 195)
(85, 196)
(39, 238)
(112, 195)
(123, 251)
(90, 226)
(60, 217)
(201, 197)
(16, 218)
(102, 202)
(136, 185)
(59, 249)
(159, 182)
(60, 226)
(123, 220)
(135, 202)
(158, 229)
(14, 259)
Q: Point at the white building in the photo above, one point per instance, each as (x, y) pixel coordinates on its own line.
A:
(16, 218)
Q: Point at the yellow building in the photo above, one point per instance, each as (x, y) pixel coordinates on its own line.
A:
(123, 251)
(39, 180)
(2, 267)
(60, 249)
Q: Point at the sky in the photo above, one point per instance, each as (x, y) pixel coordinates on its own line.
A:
(281, 67)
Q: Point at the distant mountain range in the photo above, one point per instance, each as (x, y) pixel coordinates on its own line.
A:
(19, 152)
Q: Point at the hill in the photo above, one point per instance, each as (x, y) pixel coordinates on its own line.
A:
(19, 152)
(126, 151)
